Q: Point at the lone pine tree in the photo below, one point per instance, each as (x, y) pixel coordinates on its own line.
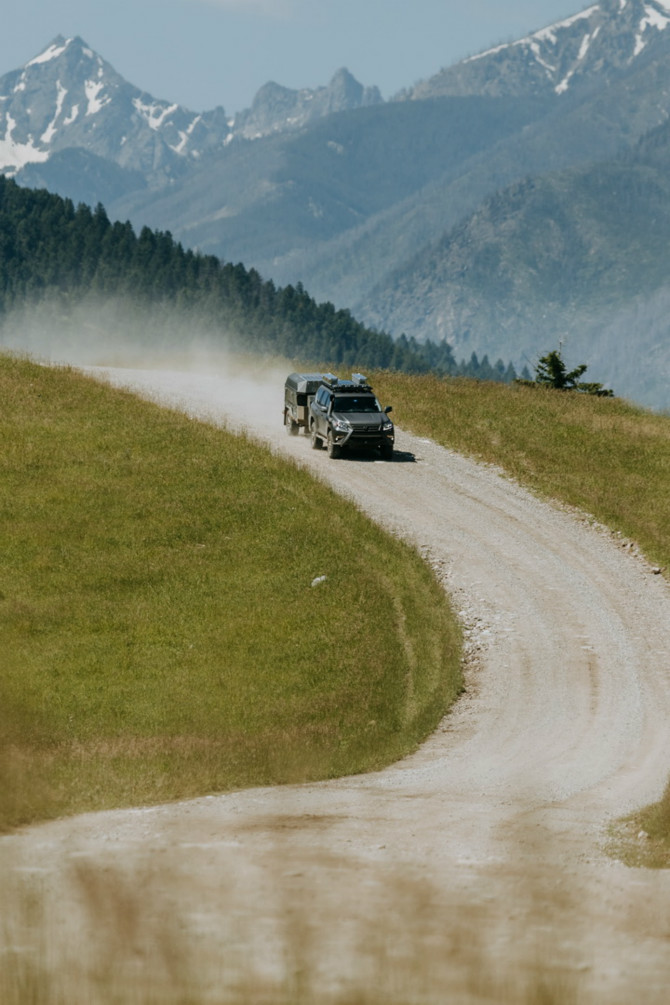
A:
(552, 372)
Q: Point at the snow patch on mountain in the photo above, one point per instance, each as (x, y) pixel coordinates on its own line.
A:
(653, 19)
(185, 134)
(14, 153)
(92, 89)
(74, 112)
(52, 52)
(50, 131)
(155, 113)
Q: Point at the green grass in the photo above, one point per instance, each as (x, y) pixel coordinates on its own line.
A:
(160, 635)
(602, 455)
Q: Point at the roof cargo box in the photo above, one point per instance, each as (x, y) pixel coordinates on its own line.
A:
(303, 383)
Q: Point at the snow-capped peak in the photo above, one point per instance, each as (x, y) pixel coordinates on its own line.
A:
(604, 38)
(584, 28)
(68, 96)
(549, 34)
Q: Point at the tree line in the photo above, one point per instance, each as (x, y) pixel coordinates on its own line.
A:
(51, 248)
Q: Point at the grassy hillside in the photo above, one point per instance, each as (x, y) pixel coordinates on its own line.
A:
(605, 456)
(161, 636)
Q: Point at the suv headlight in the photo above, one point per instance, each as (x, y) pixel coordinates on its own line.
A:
(341, 425)
(387, 425)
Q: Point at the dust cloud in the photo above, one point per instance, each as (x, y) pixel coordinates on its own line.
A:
(108, 337)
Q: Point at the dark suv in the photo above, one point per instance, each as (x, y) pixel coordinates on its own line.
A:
(346, 413)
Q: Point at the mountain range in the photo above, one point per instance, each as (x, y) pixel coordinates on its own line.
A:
(68, 98)
(513, 200)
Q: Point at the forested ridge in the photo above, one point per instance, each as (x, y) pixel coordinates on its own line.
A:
(51, 249)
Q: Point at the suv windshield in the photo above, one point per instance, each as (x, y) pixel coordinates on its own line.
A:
(352, 404)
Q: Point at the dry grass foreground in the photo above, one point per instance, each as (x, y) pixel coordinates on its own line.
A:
(427, 951)
(161, 634)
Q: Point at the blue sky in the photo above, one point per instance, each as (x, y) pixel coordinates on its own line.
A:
(203, 53)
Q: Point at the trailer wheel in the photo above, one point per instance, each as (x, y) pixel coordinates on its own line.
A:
(292, 427)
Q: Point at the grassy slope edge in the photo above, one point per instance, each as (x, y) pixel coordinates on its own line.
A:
(606, 457)
(161, 636)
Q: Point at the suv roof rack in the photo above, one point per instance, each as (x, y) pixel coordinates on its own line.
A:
(358, 384)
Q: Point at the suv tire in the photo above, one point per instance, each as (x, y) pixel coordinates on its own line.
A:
(316, 440)
(332, 447)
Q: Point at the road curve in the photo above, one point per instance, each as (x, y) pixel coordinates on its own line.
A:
(498, 822)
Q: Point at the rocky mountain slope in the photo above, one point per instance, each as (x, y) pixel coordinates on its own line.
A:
(590, 48)
(578, 256)
(277, 109)
(283, 199)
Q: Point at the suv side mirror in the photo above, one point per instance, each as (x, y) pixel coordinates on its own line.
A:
(388, 409)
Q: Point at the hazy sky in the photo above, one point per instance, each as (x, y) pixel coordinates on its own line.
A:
(203, 53)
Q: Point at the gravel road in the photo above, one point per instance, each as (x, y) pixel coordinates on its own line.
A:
(475, 868)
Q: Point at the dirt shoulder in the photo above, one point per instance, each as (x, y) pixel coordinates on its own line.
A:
(491, 834)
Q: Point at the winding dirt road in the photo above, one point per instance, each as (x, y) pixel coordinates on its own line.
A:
(473, 870)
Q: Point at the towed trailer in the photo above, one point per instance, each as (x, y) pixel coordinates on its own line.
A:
(299, 391)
